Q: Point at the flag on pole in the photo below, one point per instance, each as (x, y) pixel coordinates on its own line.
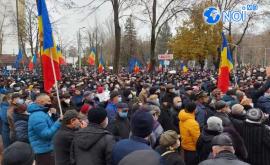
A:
(160, 66)
(184, 68)
(92, 57)
(32, 62)
(136, 68)
(101, 65)
(62, 60)
(134, 65)
(18, 59)
(50, 58)
(226, 65)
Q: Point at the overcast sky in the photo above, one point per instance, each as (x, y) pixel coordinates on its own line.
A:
(69, 21)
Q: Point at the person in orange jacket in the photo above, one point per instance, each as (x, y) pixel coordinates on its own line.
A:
(190, 132)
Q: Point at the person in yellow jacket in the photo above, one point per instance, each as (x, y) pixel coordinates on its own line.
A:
(190, 132)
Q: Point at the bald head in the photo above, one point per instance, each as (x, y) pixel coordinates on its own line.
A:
(43, 99)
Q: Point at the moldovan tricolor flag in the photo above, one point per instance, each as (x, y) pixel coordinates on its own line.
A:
(136, 68)
(32, 62)
(50, 58)
(62, 60)
(101, 65)
(92, 57)
(226, 65)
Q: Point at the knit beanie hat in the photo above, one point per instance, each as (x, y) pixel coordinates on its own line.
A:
(97, 115)
(71, 114)
(18, 153)
(237, 109)
(214, 124)
(142, 124)
(168, 138)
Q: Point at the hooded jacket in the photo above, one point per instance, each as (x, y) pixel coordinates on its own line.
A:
(92, 146)
(204, 143)
(264, 104)
(41, 129)
(189, 130)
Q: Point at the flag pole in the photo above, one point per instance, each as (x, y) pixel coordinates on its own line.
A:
(56, 84)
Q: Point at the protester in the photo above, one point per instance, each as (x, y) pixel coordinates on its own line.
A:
(64, 137)
(21, 118)
(190, 132)
(15, 99)
(169, 146)
(256, 137)
(120, 126)
(177, 106)
(157, 128)
(111, 108)
(93, 145)
(222, 111)
(5, 131)
(41, 130)
(204, 144)
(141, 128)
(201, 110)
(18, 153)
(223, 152)
(264, 102)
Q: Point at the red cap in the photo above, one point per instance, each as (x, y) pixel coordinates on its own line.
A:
(100, 89)
(85, 108)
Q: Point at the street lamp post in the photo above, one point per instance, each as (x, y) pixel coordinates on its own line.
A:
(80, 47)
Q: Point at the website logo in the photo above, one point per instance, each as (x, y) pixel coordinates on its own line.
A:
(212, 14)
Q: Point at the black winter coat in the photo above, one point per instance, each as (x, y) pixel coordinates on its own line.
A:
(92, 146)
(21, 127)
(264, 104)
(62, 144)
(257, 140)
(120, 128)
(256, 93)
(204, 143)
(224, 158)
(169, 157)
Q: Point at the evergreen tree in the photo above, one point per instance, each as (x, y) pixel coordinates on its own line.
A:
(129, 41)
(163, 39)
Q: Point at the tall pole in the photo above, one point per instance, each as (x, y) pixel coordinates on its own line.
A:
(265, 62)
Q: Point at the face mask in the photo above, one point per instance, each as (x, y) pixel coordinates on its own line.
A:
(95, 86)
(48, 106)
(130, 96)
(67, 101)
(119, 99)
(123, 114)
(20, 101)
(178, 105)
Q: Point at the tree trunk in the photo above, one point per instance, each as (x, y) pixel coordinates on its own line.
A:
(31, 35)
(1, 42)
(153, 36)
(117, 36)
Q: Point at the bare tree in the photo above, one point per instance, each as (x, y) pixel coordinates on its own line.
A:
(159, 12)
(119, 6)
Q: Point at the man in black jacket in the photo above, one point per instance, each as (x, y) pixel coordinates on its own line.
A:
(223, 152)
(63, 138)
(120, 126)
(93, 145)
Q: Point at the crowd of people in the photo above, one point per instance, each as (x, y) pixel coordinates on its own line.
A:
(128, 119)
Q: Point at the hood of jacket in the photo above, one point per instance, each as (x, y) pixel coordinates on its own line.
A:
(263, 99)
(207, 135)
(184, 116)
(86, 138)
(34, 107)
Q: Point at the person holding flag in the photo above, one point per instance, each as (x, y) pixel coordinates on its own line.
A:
(136, 68)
